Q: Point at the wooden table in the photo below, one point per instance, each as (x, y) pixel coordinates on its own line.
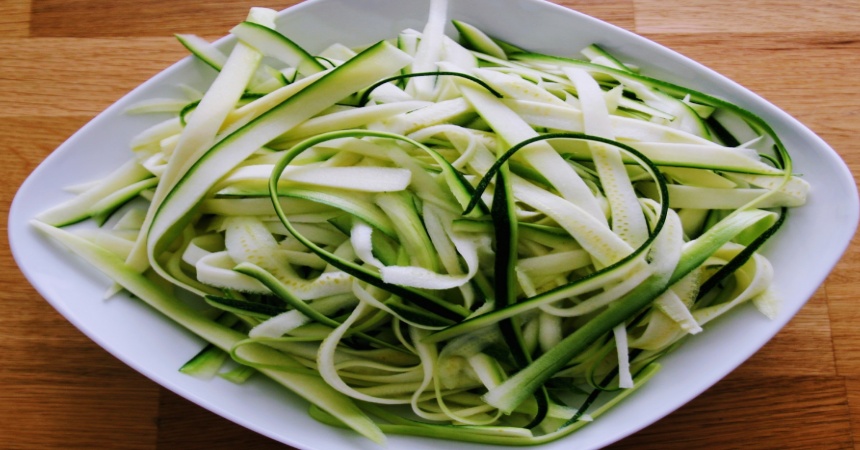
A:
(63, 61)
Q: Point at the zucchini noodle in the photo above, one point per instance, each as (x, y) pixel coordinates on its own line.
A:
(456, 238)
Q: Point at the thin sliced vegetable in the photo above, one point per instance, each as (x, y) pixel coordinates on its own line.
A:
(501, 242)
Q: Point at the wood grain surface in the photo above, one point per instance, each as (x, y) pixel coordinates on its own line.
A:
(63, 61)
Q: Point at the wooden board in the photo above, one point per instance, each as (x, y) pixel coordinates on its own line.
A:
(63, 61)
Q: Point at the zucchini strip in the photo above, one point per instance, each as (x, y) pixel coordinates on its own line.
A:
(429, 302)
(175, 212)
(299, 380)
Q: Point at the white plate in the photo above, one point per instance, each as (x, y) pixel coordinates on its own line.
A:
(156, 347)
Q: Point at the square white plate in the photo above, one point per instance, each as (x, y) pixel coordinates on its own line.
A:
(156, 347)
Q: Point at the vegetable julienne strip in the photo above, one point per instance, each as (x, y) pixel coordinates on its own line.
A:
(582, 285)
(493, 435)
(365, 96)
(750, 118)
(172, 214)
(782, 156)
(271, 43)
(505, 231)
(438, 306)
(511, 393)
(199, 134)
(219, 335)
(384, 225)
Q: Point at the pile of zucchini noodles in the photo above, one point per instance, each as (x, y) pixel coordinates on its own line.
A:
(429, 236)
